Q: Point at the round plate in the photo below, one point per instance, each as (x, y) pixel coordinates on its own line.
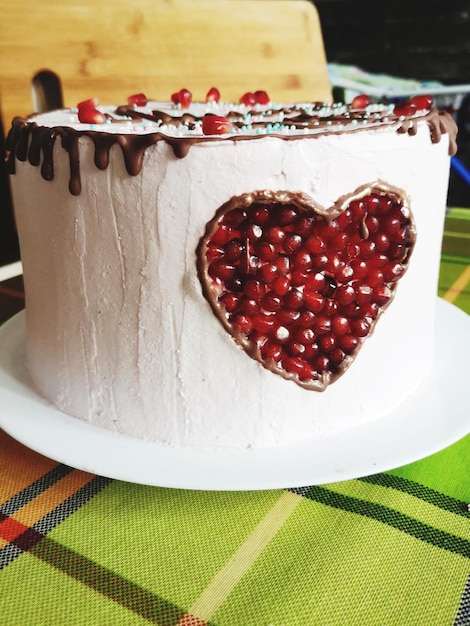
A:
(436, 416)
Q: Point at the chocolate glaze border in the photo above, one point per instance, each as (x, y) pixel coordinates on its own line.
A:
(27, 140)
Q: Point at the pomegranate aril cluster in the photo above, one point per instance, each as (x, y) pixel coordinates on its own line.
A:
(301, 292)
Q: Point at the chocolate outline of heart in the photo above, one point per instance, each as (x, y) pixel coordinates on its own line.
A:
(307, 203)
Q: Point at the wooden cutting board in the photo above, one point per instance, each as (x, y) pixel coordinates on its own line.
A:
(114, 49)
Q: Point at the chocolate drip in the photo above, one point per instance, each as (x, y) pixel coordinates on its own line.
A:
(28, 141)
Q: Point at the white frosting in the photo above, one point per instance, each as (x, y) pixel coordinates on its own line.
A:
(118, 331)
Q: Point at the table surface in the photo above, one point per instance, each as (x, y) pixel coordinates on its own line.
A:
(387, 549)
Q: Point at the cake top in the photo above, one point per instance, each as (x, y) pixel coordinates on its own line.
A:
(182, 122)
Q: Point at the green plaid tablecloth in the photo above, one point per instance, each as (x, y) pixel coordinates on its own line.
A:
(382, 550)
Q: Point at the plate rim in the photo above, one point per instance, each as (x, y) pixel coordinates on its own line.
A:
(37, 424)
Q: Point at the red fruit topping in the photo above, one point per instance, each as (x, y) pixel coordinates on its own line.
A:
(360, 102)
(90, 115)
(406, 107)
(138, 100)
(262, 97)
(422, 102)
(91, 102)
(248, 99)
(216, 125)
(213, 95)
(183, 97)
(301, 293)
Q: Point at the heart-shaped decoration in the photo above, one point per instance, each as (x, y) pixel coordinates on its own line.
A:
(300, 287)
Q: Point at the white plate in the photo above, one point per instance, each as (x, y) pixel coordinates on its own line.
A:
(435, 417)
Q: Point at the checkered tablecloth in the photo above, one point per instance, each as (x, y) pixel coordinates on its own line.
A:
(382, 550)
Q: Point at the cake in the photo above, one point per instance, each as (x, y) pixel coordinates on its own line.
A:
(215, 275)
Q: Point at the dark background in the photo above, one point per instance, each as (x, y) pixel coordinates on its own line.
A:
(424, 40)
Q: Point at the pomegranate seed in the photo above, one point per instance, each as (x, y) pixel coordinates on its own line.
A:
(271, 351)
(304, 226)
(404, 108)
(367, 248)
(270, 302)
(222, 235)
(213, 95)
(315, 244)
(262, 97)
(298, 277)
(292, 243)
(359, 268)
(321, 364)
(287, 316)
(267, 273)
(281, 286)
(306, 319)
(90, 115)
(299, 366)
(184, 98)
(243, 323)
(275, 234)
(253, 232)
(293, 299)
(327, 343)
(265, 250)
(230, 301)
(393, 272)
(382, 242)
(382, 294)
(138, 100)
(282, 334)
(323, 325)
(235, 217)
(295, 348)
(219, 269)
(91, 102)
(258, 339)
(375, 277)
(337, 356)
(260, 215)
(250, 307)
(360, 102)
(254, 289)
(358, 209)
(370, 310)
(320, 261)
(360, 327)
(233, 250)
(283, 264)
(315, 282)
(287, 215)
(340, 325)
(397, 252)
(303, 260)
(348, 343)
(331, 307)
(345, 295)
(216, 125)
(248, 99)
(363, 294)
(314, 301)
(422, 102)
(344, 273)
(304, 335)
(263, 323)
